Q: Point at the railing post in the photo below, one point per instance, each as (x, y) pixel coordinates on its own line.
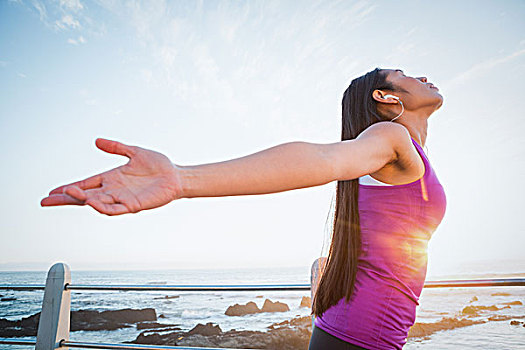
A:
(53, 325)
(316, 271)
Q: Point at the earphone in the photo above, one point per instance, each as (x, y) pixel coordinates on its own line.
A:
(395, 97)
(402, 107)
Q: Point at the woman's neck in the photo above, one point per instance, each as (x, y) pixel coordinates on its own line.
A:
(417, 128)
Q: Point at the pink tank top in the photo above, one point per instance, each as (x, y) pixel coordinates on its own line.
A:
(396, 224)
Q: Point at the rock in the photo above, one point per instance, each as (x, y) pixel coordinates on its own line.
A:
(208, 329)
(499, 317)
(252, 308)
(8, 299)
(423, 329)
(475, 298)
(162, 316)
(474, 310)
(515, 302)
(241, 310)
(26, 326)
(157, 339)
(517, 323)
(293, 323)
(260, 296)
(306, 302)
(168, 297)
(81, 320)
(289, 335)
(91, 320)
(270, 306)
(154, 325)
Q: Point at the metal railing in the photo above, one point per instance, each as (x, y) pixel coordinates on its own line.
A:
(181, 287)
(63, 344)
(54, 323)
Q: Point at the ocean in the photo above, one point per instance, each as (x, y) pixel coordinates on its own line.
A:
(441, 310)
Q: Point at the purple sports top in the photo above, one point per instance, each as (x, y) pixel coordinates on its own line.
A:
(396, 224)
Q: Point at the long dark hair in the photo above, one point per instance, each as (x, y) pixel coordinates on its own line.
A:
(359, 112)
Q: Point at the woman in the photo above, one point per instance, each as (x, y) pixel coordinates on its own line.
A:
(389, 201)
(376, 266)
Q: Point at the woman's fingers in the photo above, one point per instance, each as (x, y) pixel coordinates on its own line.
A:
(108, 209)
(60, 199)
(103, 202)
(105, 145)
(97, 204)
(90, 182)
(75, 195)
(75, 192)
(91, 191)
(115, 147)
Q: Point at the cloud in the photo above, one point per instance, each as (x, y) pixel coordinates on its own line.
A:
(73, 5)
(63, 15)
(41, 9)
(78, 41)
(242, 56)
(406, 46)
(22, 75)
(480, 68)
(67, 22)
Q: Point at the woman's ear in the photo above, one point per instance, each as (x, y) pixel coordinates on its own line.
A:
(378, 95)
(381, 96)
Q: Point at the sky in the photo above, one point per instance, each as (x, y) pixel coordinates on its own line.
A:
(208, 81)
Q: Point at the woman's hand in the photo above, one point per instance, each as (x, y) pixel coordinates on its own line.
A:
(149, 180)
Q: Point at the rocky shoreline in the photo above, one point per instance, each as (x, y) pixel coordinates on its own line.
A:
(81, 320)
(288, 335)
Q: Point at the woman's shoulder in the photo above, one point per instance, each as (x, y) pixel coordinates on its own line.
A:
(396, 133)
(407, 163)
(387, 127)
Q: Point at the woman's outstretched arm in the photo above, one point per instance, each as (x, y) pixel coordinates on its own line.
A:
(150, 180)
(287, 166)
(296, 165)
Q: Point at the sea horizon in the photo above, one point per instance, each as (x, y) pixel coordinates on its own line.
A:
(473, 269)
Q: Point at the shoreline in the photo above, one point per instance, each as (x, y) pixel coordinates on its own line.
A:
(293, 333)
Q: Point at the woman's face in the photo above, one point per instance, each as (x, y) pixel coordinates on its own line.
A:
(421, 93)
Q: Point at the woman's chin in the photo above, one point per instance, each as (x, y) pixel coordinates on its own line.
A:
(440, 102)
